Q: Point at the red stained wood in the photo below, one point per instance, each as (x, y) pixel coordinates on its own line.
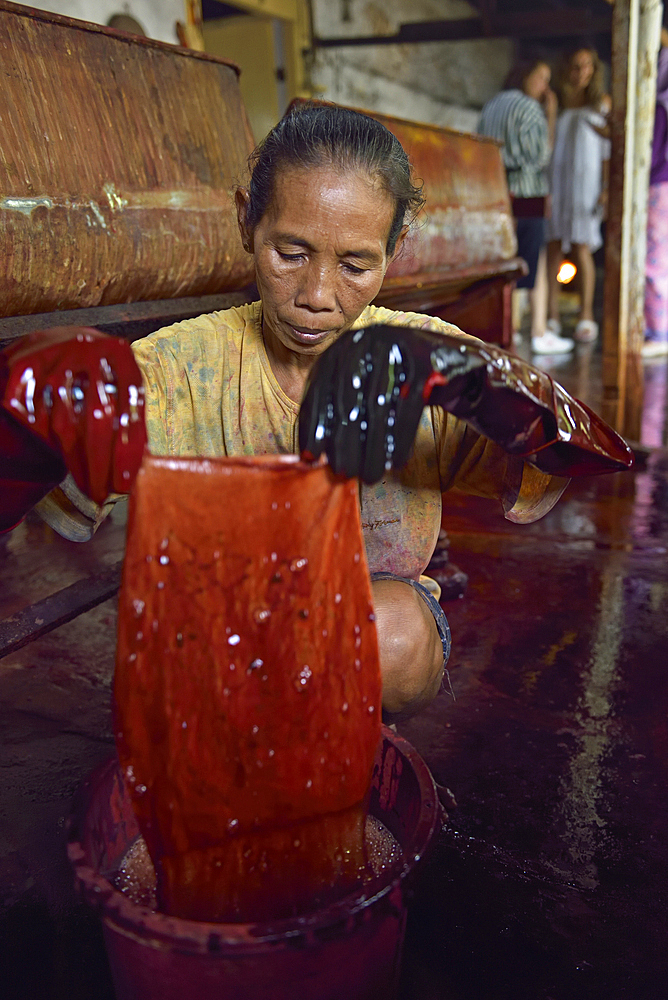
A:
(118, 161)
(247, 683)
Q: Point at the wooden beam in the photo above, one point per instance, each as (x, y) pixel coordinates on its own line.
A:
(129, 320)
(44, 616)
(297, 37)
(487, 10)
(618, 229)
(286, 10)
(649, 33)
(531, 24)
(635, 43)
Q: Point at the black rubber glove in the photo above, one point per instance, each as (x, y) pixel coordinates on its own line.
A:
(366, 393)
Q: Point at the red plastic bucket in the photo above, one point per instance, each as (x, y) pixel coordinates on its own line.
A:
(350, 949)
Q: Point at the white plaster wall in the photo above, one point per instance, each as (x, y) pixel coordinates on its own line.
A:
(443, 83)
(157, 17)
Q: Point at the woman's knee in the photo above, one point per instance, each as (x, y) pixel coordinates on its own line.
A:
(410, 646)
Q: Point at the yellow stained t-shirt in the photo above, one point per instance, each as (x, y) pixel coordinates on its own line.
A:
(210, 391)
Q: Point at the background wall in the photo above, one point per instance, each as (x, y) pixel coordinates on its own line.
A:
(444, 83)
(157, 17)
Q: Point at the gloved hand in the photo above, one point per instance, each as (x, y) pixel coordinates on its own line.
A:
(366, 393)
(71, 398)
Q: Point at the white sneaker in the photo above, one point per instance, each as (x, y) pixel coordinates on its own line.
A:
(553, 326)
(586, 332)
(550, 343)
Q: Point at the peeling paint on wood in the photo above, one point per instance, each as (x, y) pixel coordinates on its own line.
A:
(119, 157)
(468, 218)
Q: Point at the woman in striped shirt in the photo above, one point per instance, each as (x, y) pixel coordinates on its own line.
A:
(522, 117)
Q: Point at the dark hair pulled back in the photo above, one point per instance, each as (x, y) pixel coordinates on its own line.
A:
(313, 135)
(521, 70)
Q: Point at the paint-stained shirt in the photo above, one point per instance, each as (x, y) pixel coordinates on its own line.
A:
(210, 391)
(518, 121)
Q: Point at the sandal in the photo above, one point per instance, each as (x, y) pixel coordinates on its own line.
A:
(586, 331)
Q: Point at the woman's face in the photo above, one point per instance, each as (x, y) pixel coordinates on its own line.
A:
(537, 82)
(581, 69)
(320, 253)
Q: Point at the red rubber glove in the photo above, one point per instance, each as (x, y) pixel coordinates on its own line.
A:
(71, 398)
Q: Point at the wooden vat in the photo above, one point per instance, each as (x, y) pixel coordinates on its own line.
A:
(122, 188)
(467, 221)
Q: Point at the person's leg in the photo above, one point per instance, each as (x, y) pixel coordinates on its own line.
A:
(519, 299)
(586, 330)
(530, 237)
(413, 642)
(543, 339)
(554, 255)
(656, 268)
(538, 297)
(587, 273)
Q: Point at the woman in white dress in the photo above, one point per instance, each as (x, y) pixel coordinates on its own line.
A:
(578, 181)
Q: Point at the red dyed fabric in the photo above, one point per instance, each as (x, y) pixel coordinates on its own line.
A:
(248, 692)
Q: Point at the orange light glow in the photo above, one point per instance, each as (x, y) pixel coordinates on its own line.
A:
(567, 272)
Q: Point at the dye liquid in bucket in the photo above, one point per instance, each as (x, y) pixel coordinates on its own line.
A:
(351, 948)
(137, 879)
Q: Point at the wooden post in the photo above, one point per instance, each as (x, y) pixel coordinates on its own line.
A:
(190, 31)
(635, 44)
(617, 250)
(649, 30)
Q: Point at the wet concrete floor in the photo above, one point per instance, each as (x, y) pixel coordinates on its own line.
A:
(550, 880)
